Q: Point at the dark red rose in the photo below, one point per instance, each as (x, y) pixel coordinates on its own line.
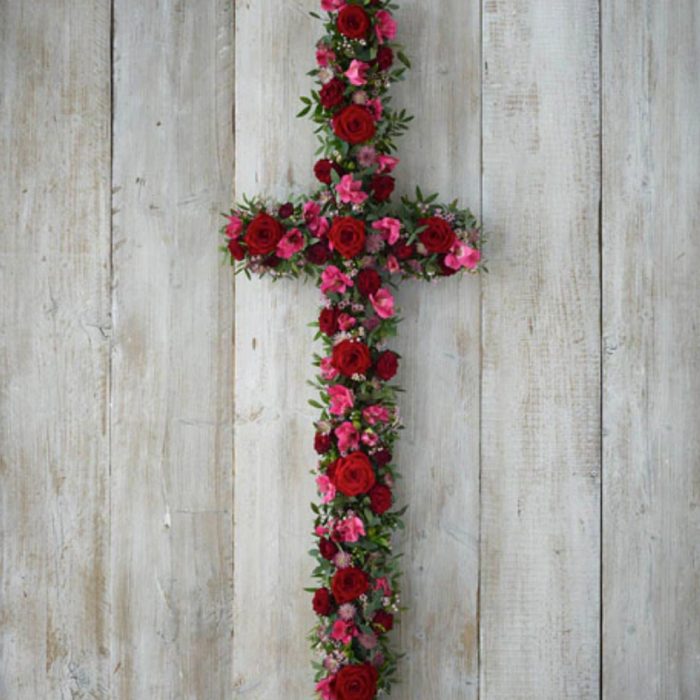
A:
(403, 251)
(272, 261)
(384, 619)
(354, 474)
(353, 22)
(332, 93)
(349, 584)
(368, 282)
(318, 254)
(328, 321)
(380, 499)
(382, 458)
(322, 171)
(354, 124)
(348, 236)
(387, 365)
(322, 443)
(322, 603)
(327, 548)
(382, 187)
(263, 234)
(351, 357)
(236, 249)
(385, 58)
(356, 682)
(286, 210)
(330, 471)
(439, 236)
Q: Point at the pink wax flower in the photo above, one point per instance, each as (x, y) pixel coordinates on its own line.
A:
(332, 5)
(371, 323)
(374, 244)
(392, 264)
(342, 560)
(386, 163)
(292, 242)
(357, 73)
(325, 688)
(325, 488)
(383, 303)
(334, 281)
(342, 631)
(389, 227)
(351, 529)
(360, 97)
(324, 55)
(350, 190)
(385, 26)
(328, 372)
(348, 437)
(234, 227)
(376, 414)
(462, 255)
(366, 156)
(342, 399)
(347, 611)
(376, 107)
(369, 438)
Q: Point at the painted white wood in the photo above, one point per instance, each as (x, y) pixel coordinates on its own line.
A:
(541, 390)
(651, 319)
(440, 343)
(172, 407)
(54, 349)
(274, 424)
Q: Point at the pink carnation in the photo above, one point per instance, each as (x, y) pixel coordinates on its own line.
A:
(348, 437)
(376, 414)
(234, 228)
(342, 631)
(392, 264)
(292, 242)
(351, 529)
(385, 26)
(332, 5)
(350, 190)
(325, 688)
(328, 372)
(383, 303)
(376, 107)
(324, 55)
(342, 399)
(325, 488)
(462, 255)
(357, 73)
(386, 163)
(334, 281)
(390, 229)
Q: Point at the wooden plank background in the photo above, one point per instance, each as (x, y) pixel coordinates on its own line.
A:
(155, 441)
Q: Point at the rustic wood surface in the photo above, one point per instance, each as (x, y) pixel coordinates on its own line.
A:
(155, 440)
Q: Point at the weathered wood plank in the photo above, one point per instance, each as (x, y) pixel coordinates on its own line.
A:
(651, 325)
(172, 363)
(440, 343)
(541, 364)
(54, 349)
(274, 425)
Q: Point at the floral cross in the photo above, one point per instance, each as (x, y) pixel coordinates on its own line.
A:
(357, 246)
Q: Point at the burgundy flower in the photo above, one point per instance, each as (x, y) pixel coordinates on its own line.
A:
(385, 58)
(380, 499)
(387, 365)
(318, 254)
(322, 443)
(286, 210)
(382, 187)
(328, 549)
(332, 93)
(368, 282)
(322, 602)
(328, 321)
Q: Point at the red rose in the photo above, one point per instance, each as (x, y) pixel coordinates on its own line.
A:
(385, 58)
(286, 210)
(349, 584)
(380, 499)
(322, 603)
(387, 365)
(354, 474)
(263, 234)
(382, 187)
(356, 682)
(439, 236)
(353, 22)
(322, 443)
(322, 171)
(328, 321)
(368, 282)
(318, 254)
(403, 251)
(332, 93)
(384, 619)
(328, 549)
(347, 235)
(382, 458)
(354, 124)
(351, 357)
(236, 249)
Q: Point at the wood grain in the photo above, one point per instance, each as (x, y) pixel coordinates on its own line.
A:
(651, 317)
(541, 390)
(54, 350)
(172, 363)
(440, 343)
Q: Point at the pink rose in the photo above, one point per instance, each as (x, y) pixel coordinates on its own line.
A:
(462, 255)
(383, 303)
(334, 281)
(292, 242)
(386, 163)
(357, 73)
(350, 190)
(332, 5)
(342, 399)
(385, 26)
(348, 437)
(390, 229)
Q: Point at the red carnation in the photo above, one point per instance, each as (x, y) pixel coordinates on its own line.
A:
(368, 282)
(356, 682)
(384, 619)
(332, 93)
(318, 254)
(354, 124)
(322, 171)
(348, 236)
(328, 549)
(263, 234)
(351, 357)
(353, 22)
(382, 458)
(236, 249)
(385, 58)
(403, 251)
(328, 321)
(380, 499)
(354, 474)
(439, 236)
(387, 365)
(286, 210)
(322, 603)
(382, 187)
(349, 584)
(322, 443)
